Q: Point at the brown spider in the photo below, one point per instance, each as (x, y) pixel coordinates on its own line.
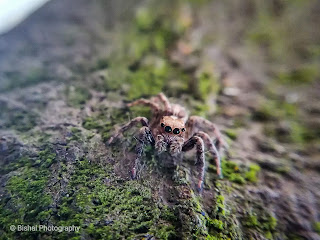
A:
(171, 130)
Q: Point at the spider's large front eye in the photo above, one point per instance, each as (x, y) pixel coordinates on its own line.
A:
(162, 124)
(176, 131)
(168, 129)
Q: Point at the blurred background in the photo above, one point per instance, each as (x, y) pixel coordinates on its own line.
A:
(67, 68)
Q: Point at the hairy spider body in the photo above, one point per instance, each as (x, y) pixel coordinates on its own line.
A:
(171, 130)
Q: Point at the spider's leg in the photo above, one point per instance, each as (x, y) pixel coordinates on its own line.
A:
(135, 121)
(212, 149)
(190, 144)
(144, 137)
(196, 123)
(165, 101)
(154, 106)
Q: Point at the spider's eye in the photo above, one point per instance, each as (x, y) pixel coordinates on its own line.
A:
(176, 131)
(162, 124)
(183, 129)
(168, 129)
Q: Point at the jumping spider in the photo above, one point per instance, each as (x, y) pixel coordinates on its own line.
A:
(172, 130)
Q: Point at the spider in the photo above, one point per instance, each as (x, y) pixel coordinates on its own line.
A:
(172, 130)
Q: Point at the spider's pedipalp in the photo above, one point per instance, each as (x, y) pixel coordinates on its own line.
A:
(161, 144)
(190, 144)
(144, 121)
(212, 149)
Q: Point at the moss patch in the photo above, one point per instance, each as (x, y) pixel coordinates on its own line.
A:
(27, 202)
(262, 222)
(275, 110)
(15, 79)
(301, 75)
(316, 227)
(17, 118)
(233, 172)
(220, 221)
(108, 207)
(105, 119)
(77, 96)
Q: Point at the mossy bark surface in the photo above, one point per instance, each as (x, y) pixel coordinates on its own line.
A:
(67, 73)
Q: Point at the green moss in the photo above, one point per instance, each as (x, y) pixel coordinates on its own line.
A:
(200, 109)
(231, 133)
(75, 134)
(207, 85)
(252, 221)
(240, 175)
(271, 224)
(295, 131)
(167, 233)
(295, 237)
(77, 96)
(102, 63)
(141, 66)
(220, 222)
(18, 119)
(14, 165)
(145, 19)
(118, 210)
(316, 227)
(27, 202)
(19, 80)
(105, 119)
(232, 172)
(237, 178)
(210, 237)
(283, 169)
(301, 75)
(275, 110)
(145, 82)
(262, 222)
(251, 175)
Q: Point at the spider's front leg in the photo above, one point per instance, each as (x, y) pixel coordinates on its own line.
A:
(133, 122)
(212, 149)
(144, 137)
(196, 123)
(190, 144)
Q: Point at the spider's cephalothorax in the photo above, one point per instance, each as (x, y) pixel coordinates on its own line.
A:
(171, 130)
